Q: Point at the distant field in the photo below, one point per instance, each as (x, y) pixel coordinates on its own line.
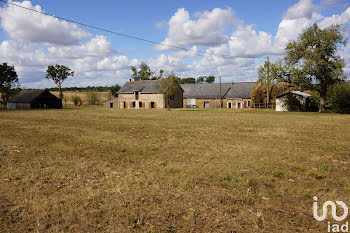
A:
(204, 170)
(68, 95)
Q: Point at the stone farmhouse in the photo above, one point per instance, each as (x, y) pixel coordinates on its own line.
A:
(213, 95)
(143, 95)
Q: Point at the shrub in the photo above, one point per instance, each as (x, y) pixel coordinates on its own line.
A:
(339, 98)
(92, 98)
(77, 101)
(292, 103)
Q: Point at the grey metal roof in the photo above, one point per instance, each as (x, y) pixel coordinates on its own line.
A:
(28, 96)
(212, 90)
(240, 90)
(144, 86)
(303, 94)
(205, 90)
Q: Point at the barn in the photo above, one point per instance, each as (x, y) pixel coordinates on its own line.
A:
(31, 99)
(305, 101)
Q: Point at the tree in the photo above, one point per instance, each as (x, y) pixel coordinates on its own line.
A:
(339, 97)
(144, 72)
(8, 81)
(58, 74)
(92, 98)
(200, 79)
(315, 53)
(187, 80)
(114, 89)
(210, 79)
(267, 76)
(168, 86)
(77, 101)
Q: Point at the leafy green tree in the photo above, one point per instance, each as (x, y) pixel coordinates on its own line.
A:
(168, 86)
(210, 79)
(339, 97)
(200, 79)
(187, 80)
(8, 81)
(267, 74)
(58, 74)
(315, 52)
(114, 89)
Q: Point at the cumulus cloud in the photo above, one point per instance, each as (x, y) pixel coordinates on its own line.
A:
(97, 63)
(302, 9)
(98, 46)
(206, 29)
(337, 19)
(245, 41)
(25, 25)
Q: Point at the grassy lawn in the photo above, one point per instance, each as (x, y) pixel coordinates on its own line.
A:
(95, 169)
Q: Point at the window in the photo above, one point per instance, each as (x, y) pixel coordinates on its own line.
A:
(238, 105)
(140, 104)
(172, 97)
(136, 95)
(248, 103)
(229, 105)
(124, 104)
(133, 104)
(110, 105)
(152, 104)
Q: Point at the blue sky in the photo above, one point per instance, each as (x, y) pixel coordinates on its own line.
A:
(247, 30)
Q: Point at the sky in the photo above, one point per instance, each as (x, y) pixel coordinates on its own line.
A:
(246, 31)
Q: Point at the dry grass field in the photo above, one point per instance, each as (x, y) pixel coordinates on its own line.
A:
(68, 95)
(101, 170)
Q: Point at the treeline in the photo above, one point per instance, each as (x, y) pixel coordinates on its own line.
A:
(83, 89)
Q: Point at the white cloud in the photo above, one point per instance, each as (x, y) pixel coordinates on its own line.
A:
(25, 25)
(337, 19)
(191, 53)
(98, 46)
(302, 9)
(216, 31)
(207, 29)
(245, 41)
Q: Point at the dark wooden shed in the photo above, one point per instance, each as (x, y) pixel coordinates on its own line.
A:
(29, 99)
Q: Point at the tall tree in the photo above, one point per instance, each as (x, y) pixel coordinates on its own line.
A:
(200, 79)
(8, 81)
(114, 89)
(315, 52)
(210, 79)
(267, 76)
(58, 74)
(168, 86)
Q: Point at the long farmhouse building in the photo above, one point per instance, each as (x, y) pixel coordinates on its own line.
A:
(212, 95)
(143, 95)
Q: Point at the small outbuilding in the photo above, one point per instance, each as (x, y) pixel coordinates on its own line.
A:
(301, 100)
(31, 99)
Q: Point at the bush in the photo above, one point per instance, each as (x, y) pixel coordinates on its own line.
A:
(292, 103)
(259, 93)
(77, 101)
(92, 98)
(339, 98)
